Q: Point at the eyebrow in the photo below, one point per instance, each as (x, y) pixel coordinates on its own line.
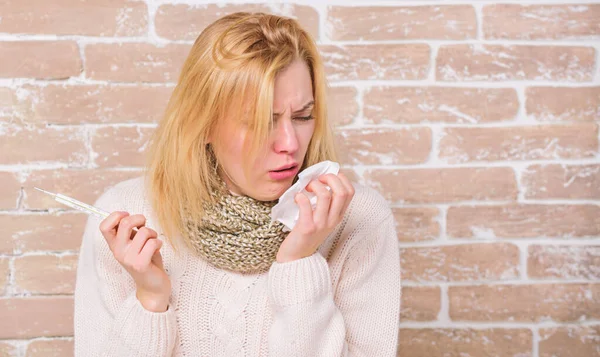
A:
(306, 106)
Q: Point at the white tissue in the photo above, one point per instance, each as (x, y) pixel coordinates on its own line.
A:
(286, 210)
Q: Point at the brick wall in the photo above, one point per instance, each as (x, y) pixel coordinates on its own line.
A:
(477, 120)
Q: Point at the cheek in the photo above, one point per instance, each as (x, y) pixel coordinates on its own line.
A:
(232, 142)
(236, 144)
(305, 133)
(237, 152)
(235, 139)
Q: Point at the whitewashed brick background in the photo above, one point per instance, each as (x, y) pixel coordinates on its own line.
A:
(478, 121)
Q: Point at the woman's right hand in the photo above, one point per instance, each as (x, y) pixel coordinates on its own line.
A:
(139, 253)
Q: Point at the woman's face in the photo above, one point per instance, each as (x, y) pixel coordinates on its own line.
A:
(292, 130)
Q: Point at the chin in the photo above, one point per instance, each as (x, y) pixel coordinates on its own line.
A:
(274, 192)
(267, 197)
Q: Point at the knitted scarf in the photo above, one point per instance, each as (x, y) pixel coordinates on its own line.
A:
(236, 233)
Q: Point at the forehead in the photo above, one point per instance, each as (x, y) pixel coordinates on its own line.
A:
(292, 90)
(293, 87)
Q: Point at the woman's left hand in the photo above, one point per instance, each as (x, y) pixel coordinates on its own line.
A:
(314, 226)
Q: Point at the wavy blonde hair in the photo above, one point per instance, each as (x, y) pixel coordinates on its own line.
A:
(231, 67)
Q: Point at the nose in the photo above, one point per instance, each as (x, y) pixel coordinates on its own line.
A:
(285, 140)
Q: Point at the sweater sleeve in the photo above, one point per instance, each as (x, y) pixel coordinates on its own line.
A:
(359, 318)
(109, 320)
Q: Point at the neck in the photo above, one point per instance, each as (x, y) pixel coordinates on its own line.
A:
(231, 186)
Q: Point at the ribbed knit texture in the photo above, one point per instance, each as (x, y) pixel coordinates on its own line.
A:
(344, 300)
(236, 232)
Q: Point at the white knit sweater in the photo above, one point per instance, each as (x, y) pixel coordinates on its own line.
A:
(343, 300)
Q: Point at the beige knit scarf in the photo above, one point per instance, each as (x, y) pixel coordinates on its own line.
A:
(236, 233)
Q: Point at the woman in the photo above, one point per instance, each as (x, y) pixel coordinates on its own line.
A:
(247, 115)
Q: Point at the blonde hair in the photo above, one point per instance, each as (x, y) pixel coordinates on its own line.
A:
(232, 64)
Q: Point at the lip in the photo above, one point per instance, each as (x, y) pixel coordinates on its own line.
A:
(285, 167)
(286, 174)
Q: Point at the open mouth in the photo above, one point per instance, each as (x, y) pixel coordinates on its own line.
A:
(286, 170)
(284, 174)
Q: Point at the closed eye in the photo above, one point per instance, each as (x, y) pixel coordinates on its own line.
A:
(305, 118)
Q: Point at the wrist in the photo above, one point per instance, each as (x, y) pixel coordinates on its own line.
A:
(290, 258)
(152, 302)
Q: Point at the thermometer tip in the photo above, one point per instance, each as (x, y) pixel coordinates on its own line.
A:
(39, 189)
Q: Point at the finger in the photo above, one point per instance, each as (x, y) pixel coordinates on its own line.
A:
(157, 258)
(140, 238)
(150, 248)
(339, 196)
(108, 226)
(305, 216)
(346, 182)
(321, 213)
(125, 230)
(349, 187)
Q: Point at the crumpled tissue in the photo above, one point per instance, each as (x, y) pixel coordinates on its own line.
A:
(286, 210)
